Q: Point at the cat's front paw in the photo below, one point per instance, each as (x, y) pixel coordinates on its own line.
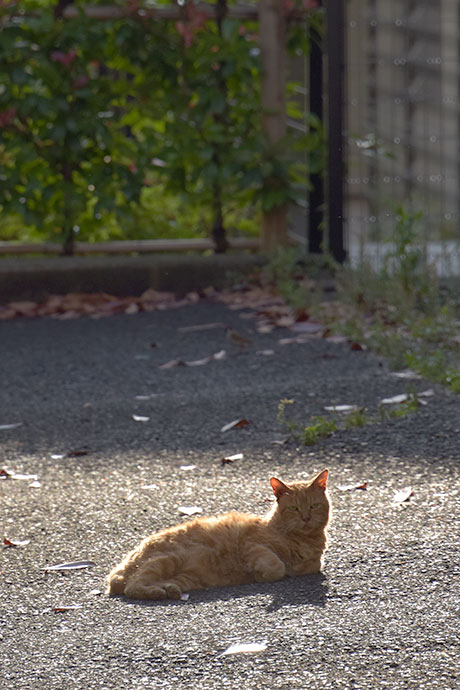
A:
(116, 584)
(270, 570)
(172, 591)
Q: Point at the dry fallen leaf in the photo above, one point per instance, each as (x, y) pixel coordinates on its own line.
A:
(265, 353)
(310, 327)
(403, 495)
(76, 453)
(70, 607)
(199, 362)
(4, 427)
(342, 408)
(140, 418)
(298, 340)
(228, 459)
(357, 347)
(15, 475)
(73, 565)
(249, 648)
(190, 510)
(407, 374)
(403, 397)
(187, 467)
(15, 542)
(354, 487)
(336, 339)
(395, 399)
(185, 596)
(237, 423)
(201, 327)
(172, 363)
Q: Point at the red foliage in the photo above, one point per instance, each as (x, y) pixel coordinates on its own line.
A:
(65, 59)
(195, 20)
(7, 116)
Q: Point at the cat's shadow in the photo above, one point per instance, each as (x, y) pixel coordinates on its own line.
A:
(310, 590)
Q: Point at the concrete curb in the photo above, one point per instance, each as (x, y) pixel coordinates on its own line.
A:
(35, 278)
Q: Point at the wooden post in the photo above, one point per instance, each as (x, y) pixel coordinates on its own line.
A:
(272, 32)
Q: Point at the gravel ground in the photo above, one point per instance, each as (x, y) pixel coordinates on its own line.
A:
(384, 614)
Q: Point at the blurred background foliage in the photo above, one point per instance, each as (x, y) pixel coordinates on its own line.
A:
(136, 128)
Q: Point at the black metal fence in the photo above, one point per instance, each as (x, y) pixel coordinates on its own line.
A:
(391, 104)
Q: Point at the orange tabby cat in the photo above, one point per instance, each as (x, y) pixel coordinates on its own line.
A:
(231, 549)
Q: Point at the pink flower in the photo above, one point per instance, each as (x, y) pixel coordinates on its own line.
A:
(7, 116)
(81, 81)
(65, 59)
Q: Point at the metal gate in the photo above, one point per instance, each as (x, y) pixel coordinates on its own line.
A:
(402, 126)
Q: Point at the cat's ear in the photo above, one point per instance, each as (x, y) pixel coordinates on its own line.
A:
(278, 487)
(320, 481)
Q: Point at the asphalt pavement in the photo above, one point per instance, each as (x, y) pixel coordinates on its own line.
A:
(114, 445)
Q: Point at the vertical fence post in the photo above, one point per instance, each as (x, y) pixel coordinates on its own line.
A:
(316, 192)
(272, 31)
(335, 20)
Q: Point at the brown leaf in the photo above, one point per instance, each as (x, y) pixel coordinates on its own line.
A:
(354, 487)
(357, 347)
(237, 423)
(302, 314)
(76, 453)
(15, 542)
